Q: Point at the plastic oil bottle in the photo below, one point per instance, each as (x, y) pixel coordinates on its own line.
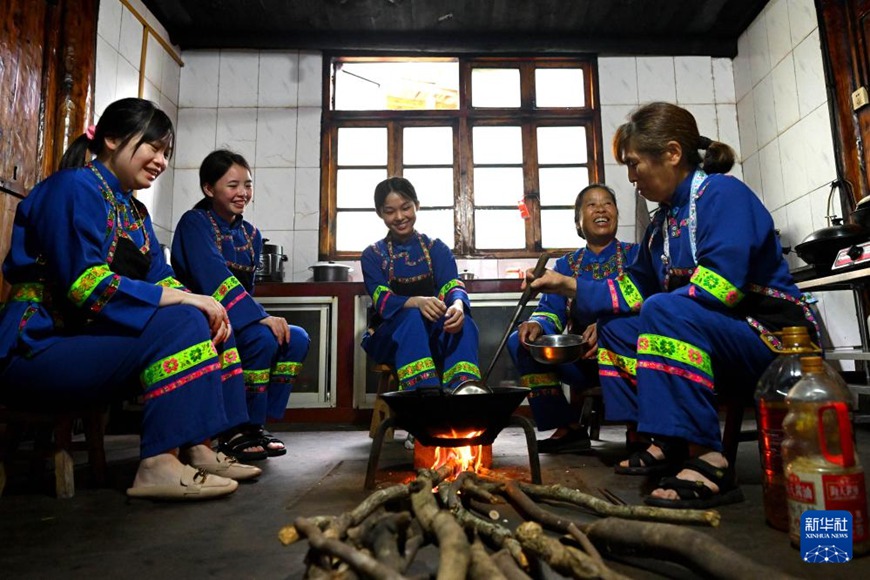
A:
(774, 384)
(821, 467)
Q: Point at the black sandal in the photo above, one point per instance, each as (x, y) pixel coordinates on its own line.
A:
(695, 494)
(237, 445)
(645, 463)
(267, 439)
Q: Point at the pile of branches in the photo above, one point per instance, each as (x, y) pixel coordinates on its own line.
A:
(381, 536)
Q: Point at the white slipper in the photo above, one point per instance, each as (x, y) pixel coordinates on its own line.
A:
(192, 485)
(226, 466)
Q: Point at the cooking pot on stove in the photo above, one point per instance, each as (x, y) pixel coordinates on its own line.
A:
(861, 215)
(820, 248)
(330, 272)
(271, 266)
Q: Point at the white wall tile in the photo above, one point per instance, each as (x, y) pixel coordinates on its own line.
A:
(802, 19)
(694, 76)
(130, 46)
(840, 317)
(158, 199)
(752, 176)
(616, 176)
(307, 210)
(771, 175)
(778, 30)
(237, 131)
(196, 136)
(729, 132)
(171, 78)
(185, 192)
(765, 111)
(655, 79)
(723, 80)
(792, 153)
(109, 22)
(274, 197)
(199, 79)
(759, 53)
(276, 138)
(106, 75)
(304, 253)
(150, 92)
(154, 60)
(239, 78)
(127, 82)
(308, 137)
(617, 81)
(810, 74)
(785, 94)
(742, 68)
(310, 79)
(279, 79)
(705, 116)
(746, 123)
(819, 209)
(800, 219)
(820, 165)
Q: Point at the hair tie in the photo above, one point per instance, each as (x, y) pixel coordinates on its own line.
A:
(704, 142)
(90, 131)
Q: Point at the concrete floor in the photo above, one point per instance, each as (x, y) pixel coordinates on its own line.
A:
(100, 533)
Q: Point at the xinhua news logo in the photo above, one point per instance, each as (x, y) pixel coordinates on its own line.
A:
(826, 536)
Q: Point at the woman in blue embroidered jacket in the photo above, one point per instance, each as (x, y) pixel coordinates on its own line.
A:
(596, 218)
(421, 323)
(696, 310)
(215, 252)
(94, 306)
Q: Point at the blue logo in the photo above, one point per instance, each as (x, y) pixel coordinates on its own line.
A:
(826, 536)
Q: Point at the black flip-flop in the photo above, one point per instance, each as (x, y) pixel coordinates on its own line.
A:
(695, 494)
(645, 463)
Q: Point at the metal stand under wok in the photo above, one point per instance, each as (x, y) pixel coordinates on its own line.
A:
(515, 420)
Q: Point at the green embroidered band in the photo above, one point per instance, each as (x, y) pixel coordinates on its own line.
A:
(540, 380)
(178, 362)
(630, 293)
(287, 369)
(719, 287)
(445, 290)
(85, 285)
(225, 288)
(257, 377)
(27, 292)
(460, 367)
(654, 344)
(377, 293)
(415, 368)
(170, 282)
(551, 317)
(611, 359)
(230, 357)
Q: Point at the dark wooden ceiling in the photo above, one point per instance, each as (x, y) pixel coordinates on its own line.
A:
(649, 27)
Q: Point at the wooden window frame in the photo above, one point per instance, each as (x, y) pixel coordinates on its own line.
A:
(527, 116)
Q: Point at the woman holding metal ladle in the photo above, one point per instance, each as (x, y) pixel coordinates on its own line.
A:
(696, 311)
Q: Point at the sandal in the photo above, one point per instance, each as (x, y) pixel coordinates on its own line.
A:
(237, 445)
(267, 440)
(695, 494)
(645, 463)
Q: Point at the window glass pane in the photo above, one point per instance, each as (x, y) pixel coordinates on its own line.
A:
(427, 146)
(558, 229)
(355, 231)
(559, 87)
(495, 87)
(498, 185)
(560, 185)
(499, 229)
(356, 187)
(434, 186)
(436, 223)
(410, 85)
(362, 146)
(561, 145)
(497, 144)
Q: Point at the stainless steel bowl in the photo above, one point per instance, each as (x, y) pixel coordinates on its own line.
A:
(556, 349)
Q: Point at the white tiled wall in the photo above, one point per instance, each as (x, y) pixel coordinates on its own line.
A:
(119, 52)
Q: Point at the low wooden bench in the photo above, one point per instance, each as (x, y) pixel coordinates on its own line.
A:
(387, 381)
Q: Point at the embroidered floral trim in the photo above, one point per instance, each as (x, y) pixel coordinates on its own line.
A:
(225, 287)
(657, 345)
(27, 292)
(540, 381)
(257, 380)
(445, 290)
(85, 284)
(228, 374)
(236, 300)
(554, 318)
(609, 358)
(672, 370)
(617, 374)
(230, 357)
(721, 289)
(548, 391)
(413, 381)
(287, 369)
(107, 294)
(179, 362)
(630, 293)
(462, 367)
(409, 370)
(170, 282)
(808, 312)
(180, 382)
(376, 295)
(221, 236)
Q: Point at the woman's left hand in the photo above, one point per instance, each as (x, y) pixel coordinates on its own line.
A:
(279, 328)
(454, 317)
(590, 336)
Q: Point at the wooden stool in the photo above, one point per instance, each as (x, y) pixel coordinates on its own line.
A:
(386, 382)
(61, 424)
(733, 433)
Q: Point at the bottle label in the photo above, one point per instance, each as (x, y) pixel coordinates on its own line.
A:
(813, 490)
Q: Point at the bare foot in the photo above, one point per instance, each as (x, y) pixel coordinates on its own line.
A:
(162, 469)
(714, 458)
(249, 449)
(200, 454)
(653, 450)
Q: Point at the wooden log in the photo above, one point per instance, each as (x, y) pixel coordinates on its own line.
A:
(455, 551)
(482, 567)
(508, 566)
(561, 558)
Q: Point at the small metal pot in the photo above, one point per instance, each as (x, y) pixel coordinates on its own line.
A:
(271, 266)
(330, 272)
(556, 349)
(466, 275)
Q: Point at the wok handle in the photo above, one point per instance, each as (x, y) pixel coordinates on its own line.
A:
(527, 294)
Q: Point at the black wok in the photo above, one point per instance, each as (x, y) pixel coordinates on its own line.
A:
(434, 417)
(820, 247)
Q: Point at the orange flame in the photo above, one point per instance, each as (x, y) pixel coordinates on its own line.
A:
(468, 458)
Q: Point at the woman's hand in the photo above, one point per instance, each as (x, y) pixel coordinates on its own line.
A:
(454, 318)
(431, 307)
(279, 328)
(551, 282)
(215, 313)
(529, 331)
(590, 337)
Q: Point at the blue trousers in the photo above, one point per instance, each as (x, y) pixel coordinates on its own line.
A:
(550, 408)
(270, 369)
(659, 368)
(191, 391)
(419, 349)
